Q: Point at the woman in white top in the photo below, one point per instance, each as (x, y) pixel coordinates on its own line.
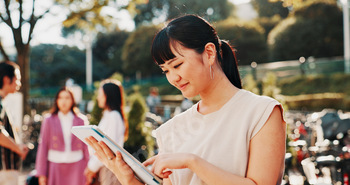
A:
(113, 123)
(61, 157)
(231, 136)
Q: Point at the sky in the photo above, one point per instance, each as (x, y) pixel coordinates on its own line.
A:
(48, 29)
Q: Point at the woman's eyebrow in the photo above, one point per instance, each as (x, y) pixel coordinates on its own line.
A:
(169, 62)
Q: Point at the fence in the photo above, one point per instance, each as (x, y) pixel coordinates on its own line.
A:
(283, 69)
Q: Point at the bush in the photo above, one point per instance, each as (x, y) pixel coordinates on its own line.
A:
(316, 102)
(268, 23)
(317, 92)
(246, 37)
(315, 29)
(140, 138)
(336, 83)
(250, 84)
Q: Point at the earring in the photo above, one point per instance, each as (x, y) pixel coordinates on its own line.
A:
(211, 72)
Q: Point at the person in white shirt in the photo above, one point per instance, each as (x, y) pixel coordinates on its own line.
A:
(61, 157)
(231, 136)
(113, 123)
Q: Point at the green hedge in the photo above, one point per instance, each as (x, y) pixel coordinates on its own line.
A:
(336, 83)
(315, 93)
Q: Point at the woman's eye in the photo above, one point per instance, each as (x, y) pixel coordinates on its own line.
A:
(178, 65)
(164, 72)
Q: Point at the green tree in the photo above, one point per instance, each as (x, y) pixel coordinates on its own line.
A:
(211, 9)
(108, 50)
(52, 64)
(137, 52)
(270, 8)
(315, 29)
(246, 37)
(268, 23)
(140, 137)
(22, 21)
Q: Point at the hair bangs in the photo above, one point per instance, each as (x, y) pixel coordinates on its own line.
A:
(161, 49)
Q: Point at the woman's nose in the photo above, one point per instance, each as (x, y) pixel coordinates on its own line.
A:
(174, 77)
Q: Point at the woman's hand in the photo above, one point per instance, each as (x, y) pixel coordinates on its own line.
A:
(24, 151)
(42, 180)
(113, 162)
(162, 164)
(90, 175)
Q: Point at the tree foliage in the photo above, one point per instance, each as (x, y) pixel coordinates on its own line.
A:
(21, 21)
(53, 64)
(108, 50)
(137, 52)
(268, 8)
(315, 29)
(139, 134)
(246, 37)
(211, 9)
(21, 17)
(268, 23)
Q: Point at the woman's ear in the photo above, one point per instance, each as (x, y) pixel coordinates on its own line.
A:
(6, 80)
(210, 52)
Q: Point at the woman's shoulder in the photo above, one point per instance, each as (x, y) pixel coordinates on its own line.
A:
(111, 116)
(48, 117)
(81, 117)
(112, 113)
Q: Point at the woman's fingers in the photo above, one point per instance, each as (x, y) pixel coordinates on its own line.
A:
(98, 148)
(149, 161)
(109, 153)
(113, 161)
(125, 168)
(166, 174)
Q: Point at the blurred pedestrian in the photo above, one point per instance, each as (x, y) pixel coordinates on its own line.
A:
(11, 148)
(113, 123)
(153, 99)
(61, 157)
(231, 136)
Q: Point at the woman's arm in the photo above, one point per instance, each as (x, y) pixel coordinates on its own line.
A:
(267, 149)
(117, 165)
(8, 142)
(265, 166)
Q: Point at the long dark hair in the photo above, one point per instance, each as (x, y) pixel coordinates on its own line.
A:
(55, 109)
(7, 68)
(194, 32)
(113, 91)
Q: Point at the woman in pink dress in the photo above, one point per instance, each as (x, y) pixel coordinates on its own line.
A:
(61, 157)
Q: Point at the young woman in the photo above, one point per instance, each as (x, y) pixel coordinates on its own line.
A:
(61, 157)
(231, 136)
(113, 123)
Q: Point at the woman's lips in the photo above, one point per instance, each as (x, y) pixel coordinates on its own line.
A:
(183, 86)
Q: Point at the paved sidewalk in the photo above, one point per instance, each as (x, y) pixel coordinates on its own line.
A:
(22, 179)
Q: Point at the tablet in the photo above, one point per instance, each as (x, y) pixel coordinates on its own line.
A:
(141, 172)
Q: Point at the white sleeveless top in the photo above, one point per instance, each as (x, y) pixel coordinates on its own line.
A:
(222, 137)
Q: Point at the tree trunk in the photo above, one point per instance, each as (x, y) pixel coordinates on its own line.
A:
(23, 62)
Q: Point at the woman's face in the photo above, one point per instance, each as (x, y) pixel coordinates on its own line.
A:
(64, 101)
(187, 71)
(101, 98)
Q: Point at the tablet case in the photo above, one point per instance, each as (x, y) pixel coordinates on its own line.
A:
(141, 172)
